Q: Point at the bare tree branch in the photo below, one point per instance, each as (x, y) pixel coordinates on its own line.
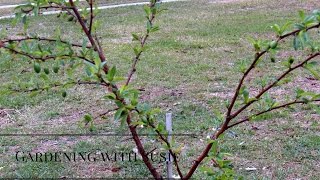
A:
(274, 83)
(91, 15)
(45, 58)
(43, 39)
(59, 85)
(230, 116)
(257, 57)
(271, 109)
(142, 42)
(175, 159)
(141, 150)
(89, 35)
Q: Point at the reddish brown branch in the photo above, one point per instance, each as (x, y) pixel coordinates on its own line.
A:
(205, 152)
(225, 125)
(274, 83)
(258, 55)
(141, 150)
(45, 58)
(91, 15)
(294, 33)
(60, 85)
(271, 109)
(105, 113)
(142, 45)
(89, 35)
(175, 159)
(230, 116)
(43, 39)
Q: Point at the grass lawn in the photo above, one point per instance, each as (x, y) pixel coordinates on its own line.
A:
(189, 69)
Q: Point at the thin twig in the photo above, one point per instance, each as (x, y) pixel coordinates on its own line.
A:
(229, 117)
(89, 35)
(43, 39)
(59, 85)
(45, 58)
(175, 159)
(271, 109)
(257, 57)
(274, 83)
(141, 150)
(142, 45)
(91, 15)
(105, 113)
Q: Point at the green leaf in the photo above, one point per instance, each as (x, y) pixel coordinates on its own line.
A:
(252, 99)
(214, 149)
(300, 26)
(296, 43)
(84, 44)
(277, 29)
(285, 27)
(299, 92)
(111, 73)
(302, 14)
(275, 104)
(135, 37)
(160, 127)
(315, 97)
(147, 10)
(119, 104)
(309, 21)
(44, 77)
(154, 29)
(111, 96)
(97, 62)
(245, 95)
(137, 51)
(118, 113)
(138, 123)
(88, 70)
(208, 171)
(121, 115)
(33, 94)
(92, 127)
(149, 26)
(310, 68)
(87, 118)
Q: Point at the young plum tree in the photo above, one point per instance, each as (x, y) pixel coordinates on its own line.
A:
(129, 110)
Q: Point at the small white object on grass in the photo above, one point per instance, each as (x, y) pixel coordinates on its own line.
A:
(175, 177)
(250, 169)
(242, 143)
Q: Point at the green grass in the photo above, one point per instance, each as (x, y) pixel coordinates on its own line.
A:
(188, 69)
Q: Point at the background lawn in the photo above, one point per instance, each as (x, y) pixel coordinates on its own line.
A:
(188, 69)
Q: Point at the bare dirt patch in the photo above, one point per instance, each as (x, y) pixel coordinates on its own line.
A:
(156, 92)
(60, 144)
(7, 116)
